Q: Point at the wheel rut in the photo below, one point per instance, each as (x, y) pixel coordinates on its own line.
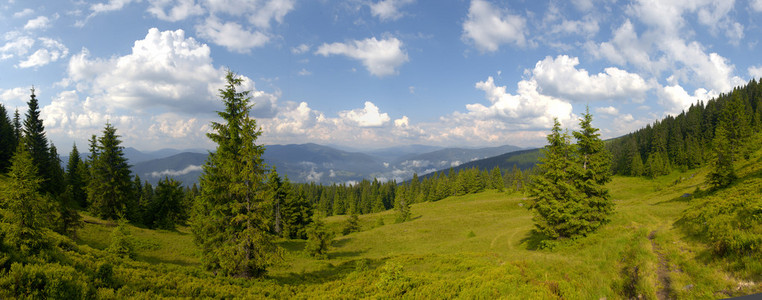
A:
(662, 272)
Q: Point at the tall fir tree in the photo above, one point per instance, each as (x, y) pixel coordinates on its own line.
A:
(166, 206)
(231, 214)
(592, 172)
(37, 143)
(109, 190)
(731, 134)
(8, 141)
(26, 211)
(74, 180)
(17, 131)
(556, 200)
(278, 197)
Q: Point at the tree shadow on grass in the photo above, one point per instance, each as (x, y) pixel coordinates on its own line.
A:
(340, 241)
(293, 245)
(328, 273)
(535, 240)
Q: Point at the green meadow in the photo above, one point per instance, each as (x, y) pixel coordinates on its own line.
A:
(474, 246)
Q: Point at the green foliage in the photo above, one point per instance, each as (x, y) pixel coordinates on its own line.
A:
(109, 189)
(570, 197)
(43, 281)
(352, 225)
(122, 243)
(7, 140)
(318, 239)
(75, 169)
(37, 144)
(402, 206)
(165, 209)
(231, 214)
(392, 281)
(25, 211)
(731, 135)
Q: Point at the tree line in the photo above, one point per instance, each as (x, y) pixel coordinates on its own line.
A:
(706, 132)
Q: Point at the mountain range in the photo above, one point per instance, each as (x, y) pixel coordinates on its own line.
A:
(318, 163)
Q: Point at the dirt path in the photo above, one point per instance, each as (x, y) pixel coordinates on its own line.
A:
(662, 273)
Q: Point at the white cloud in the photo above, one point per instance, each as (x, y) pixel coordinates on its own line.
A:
(170, 172)
(675, 99)
(103, 7)
(51, 51)
(303, 48)
(489, 27)
(711, 69)
(756, 5)
(380, 57)
(369, 116)
(16, 96)
(259, 13)
(178, 9)
(304, 72)
(755, 72)
(23, 13)
(388, 9)
(231, 35)
(403, 122)
(609, 110)
(15, 45)
(40, 22)
(528, 109)
(560, 77)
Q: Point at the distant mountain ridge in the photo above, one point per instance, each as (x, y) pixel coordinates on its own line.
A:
(318, 163)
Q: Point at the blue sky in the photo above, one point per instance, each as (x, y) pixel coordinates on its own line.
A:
(370, 73)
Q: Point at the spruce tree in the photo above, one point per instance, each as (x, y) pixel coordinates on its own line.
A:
(318, 238)
(109, 190)
(592, 172)
(26, 211)
(231, 222)
(167, 204)
(731, 135)
(17, 131)
(556, 201)
(74, 180)
(37, 143)
(7, 140)
(278, 197)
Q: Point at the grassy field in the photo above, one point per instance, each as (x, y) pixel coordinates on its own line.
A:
(482, 246)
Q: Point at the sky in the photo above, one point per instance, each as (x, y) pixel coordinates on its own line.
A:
(368, 74)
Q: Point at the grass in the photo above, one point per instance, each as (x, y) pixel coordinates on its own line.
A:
(482, 246)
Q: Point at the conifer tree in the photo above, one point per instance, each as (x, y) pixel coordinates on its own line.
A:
(74, 180)
(7, 140)
(496, 179)
(231, 222)
(26, 211)
(166, 206)
(731, 135)
(109, 190)
(278, 196)
(592, 172)
(37, 143)
(556, 200)
(318, 238)
(402, 206)
(17, 131)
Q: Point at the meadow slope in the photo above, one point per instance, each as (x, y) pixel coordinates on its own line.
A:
(474, 246)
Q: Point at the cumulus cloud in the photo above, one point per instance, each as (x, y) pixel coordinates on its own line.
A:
(178, 9)
(488, 27)
(560, 77)
(609, 110)
(388, 9)
(675, 99)
(380, 57)
(50, 51)
(15, 96)
(15, 45)
(755, 72)
(231, 35)
(369, 116)
(165, 72)
(259, 13)
(40, 22)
